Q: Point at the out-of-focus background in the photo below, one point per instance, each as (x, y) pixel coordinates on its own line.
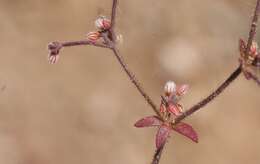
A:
(82, 110)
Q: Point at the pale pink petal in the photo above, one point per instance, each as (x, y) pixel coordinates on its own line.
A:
(186, 130)
(53, 59)
(162, 135)
(182, 90)
(148, 121)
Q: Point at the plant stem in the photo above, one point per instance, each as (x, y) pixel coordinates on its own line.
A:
(113, 19)
(211, 97)
(134, 80)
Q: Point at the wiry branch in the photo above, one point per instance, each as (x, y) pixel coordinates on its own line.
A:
(130, 74)
(231, 78)
(82, 42)
(55, 47)
(113, 13)
(135, 81)
(211, 97)
(113, 19)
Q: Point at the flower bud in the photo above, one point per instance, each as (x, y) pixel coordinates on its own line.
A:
(54, 49)
(169, 88)
(93, 36)
(103, 23)
(53, 59)
(182, 90)
(253, 51)
(174, 109)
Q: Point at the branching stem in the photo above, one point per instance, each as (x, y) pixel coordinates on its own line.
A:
(110, 43)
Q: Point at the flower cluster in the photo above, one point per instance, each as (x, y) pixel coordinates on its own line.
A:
(170, 109)
(169, 104)
(102, 24)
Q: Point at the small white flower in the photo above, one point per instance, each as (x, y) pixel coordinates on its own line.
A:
(169, 88)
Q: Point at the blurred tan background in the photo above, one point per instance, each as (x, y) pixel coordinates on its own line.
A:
(82, 110)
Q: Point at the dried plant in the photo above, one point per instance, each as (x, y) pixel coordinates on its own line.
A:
(171, 113)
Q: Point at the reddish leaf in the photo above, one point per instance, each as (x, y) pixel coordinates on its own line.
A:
(186, 130)
(148, 121)
(162, 135)
(182, 90)
(174, 109)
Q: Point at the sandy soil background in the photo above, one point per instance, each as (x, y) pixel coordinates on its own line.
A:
(82, 110)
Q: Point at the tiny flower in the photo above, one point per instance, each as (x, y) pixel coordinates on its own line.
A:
(247, 59)
(253, 51)
(54, 49)
(250, 59)
(93, 36)
(169, 88)
(103, 23)
(182, 90)
(53, 59)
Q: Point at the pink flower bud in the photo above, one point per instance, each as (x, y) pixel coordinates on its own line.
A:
(103, 23)
(182, 90)
(53, 59)
(253, 50)
(93, 36)
(54, 49)
(169, 88)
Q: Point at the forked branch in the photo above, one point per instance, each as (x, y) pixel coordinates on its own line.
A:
(109, 41)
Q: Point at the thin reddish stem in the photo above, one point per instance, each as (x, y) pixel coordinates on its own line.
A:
(133, 79)
(113, 13)
(211, 97)
(83, 42)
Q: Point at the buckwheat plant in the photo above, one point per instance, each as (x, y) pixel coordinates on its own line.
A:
(169, 116)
